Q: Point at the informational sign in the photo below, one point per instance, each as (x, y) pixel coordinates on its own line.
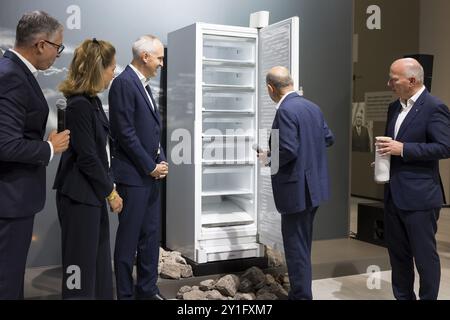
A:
(377, 104)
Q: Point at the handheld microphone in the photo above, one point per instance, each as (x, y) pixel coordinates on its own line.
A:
(61, 105)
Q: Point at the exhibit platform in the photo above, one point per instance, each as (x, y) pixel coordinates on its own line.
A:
(330, 259)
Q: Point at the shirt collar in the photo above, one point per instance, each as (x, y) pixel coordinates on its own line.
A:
(413, 99)
(282, 99)
(141, 77)
(29, 65)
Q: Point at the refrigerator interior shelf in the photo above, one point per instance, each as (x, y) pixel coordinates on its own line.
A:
(228, 62)
(227, 162)
(246, 112)
(207, 137)
(223, 214)
(212, 86)
(234, 170)
(224, 192)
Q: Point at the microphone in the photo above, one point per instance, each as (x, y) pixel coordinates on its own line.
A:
(61, 105)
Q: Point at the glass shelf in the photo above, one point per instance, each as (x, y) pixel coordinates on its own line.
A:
(224, 102)
(243, 112)
(228, 126)
(228, 77)
(228, 63)
(227, 162)
(224, 213)
(227, 180)
(229, 48)
(228, 150)
(226, 87)
(226, 192)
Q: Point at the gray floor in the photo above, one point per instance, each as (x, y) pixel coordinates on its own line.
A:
(340, 269)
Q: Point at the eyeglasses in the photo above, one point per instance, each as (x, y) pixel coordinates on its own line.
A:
(59, 47)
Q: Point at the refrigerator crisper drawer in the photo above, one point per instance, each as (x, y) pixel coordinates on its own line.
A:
(228, 102)
(227, 150)
(224, 211)
(230, 126)
(232, 233)
(229, 48)
(218, 253)
(221, 76)
(227, 180)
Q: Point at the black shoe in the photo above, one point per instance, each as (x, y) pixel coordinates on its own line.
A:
(154, 297)
(157, 297)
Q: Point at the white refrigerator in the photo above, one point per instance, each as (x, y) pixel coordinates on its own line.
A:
(219, 198)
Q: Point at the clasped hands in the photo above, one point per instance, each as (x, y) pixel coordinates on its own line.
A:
(161, 170)
(115, 201)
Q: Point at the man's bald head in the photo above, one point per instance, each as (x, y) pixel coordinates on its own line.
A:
(405, 77)
(279, 78)
(410, 68)
(279, 82)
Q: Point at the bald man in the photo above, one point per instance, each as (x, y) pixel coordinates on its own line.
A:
(300, 184)
(420, 127)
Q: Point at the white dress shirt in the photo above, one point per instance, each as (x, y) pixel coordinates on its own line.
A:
(284, 97)
(406, 107)
(145, 82)
(34, 71)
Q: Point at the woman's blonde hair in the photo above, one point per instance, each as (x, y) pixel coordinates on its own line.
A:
(85, 74)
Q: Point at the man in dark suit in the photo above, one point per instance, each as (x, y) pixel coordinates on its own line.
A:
(300, 183)
(420, 127)
(138, 165)
(23, 154)
(360, 135)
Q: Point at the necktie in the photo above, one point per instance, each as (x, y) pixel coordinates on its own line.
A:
(152, 101)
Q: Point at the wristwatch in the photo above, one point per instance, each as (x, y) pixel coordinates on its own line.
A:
(112, 196)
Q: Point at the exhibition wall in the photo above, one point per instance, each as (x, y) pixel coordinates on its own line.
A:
(405, 27)
(325, 74)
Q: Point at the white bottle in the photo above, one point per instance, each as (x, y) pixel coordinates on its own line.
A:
(382, 163)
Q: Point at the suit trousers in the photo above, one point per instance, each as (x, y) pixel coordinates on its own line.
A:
(410, 237)
(85, 248)
(296, 229)
(138, 236)
(15, 239)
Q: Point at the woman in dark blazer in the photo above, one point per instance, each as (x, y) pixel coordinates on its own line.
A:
(83, 181)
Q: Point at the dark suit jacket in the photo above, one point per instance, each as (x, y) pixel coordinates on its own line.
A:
(302, 178)
(136, 129)
(415, 183)
(23, 153)
(83, 173)
(360, 142)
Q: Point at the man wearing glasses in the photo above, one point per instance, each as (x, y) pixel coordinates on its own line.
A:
(23, 153)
